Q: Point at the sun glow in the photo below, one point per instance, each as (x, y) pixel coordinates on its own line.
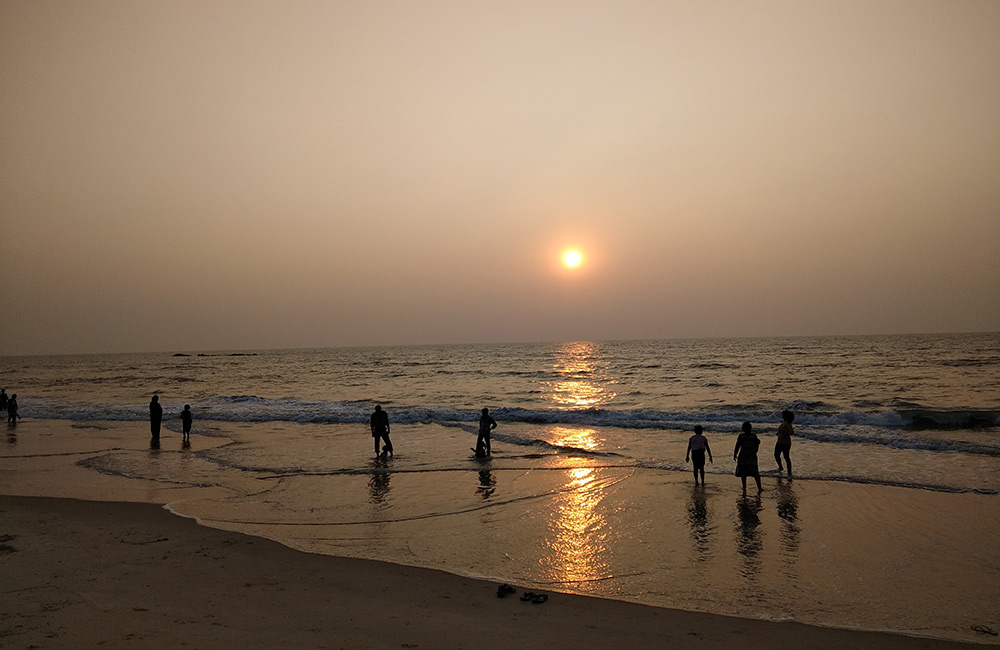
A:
(572, 259)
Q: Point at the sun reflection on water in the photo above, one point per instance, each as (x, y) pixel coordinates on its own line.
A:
(578, 547)
(579, 525)
(579, 438)
(581, 379)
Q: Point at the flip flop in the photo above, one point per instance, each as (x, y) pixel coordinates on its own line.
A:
(528, 595)
(504, 589)
(539, 599)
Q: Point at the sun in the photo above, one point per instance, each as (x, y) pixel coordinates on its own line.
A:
(572, 259)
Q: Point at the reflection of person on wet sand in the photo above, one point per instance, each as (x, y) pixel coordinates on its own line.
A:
(788, 512)
(745, 455)
(380, 430)
(784, 442)
(697, 518)
(155, 417)
(788, 503)
(748, 542)
(697, 446)
(378, 485)
(487, 483)
(486, 425)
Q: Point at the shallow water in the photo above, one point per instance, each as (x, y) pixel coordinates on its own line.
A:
(890, 522)
(825, 552)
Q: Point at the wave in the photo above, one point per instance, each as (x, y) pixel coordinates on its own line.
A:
(950, 418)
(545, 446)
(731, 417)
(722, 418)
(971, 362)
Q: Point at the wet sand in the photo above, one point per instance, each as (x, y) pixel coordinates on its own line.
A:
(131, 575)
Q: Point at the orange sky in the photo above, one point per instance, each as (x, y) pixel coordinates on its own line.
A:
(191, 175)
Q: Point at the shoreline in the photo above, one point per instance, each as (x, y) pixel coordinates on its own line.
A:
(833, 556)
(84, 573)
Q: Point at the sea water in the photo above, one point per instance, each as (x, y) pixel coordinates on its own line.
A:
(890, 521)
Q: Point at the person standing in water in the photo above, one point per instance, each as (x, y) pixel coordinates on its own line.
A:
(155, 417)
(486, 425)
(380, 430)
(745, 455)
(186, 423)
(784, 442)
(697, 446)
(12, 414)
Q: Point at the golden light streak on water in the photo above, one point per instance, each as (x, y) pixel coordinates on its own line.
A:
(582, 382)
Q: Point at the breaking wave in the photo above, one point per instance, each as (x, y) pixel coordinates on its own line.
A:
(250, 408)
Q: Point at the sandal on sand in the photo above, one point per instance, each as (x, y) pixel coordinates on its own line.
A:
(504, 589)
(528, 595)
(540, 598)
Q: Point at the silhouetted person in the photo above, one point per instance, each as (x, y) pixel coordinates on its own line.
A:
(784, 442)
(12, 414)
(486, 425)
(745, 455)
(155, 417)
(697, 446)
(186, 423)
(3, 399)
(380, 430)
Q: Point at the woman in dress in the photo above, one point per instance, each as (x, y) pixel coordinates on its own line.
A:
(745, 455)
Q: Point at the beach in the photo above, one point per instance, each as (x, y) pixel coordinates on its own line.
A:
(887, 526)
(131, 575)
(320, 322)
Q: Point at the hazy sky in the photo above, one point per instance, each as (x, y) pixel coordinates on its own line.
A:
(203, 175)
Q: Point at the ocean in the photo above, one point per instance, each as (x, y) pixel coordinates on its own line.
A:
(889, 523)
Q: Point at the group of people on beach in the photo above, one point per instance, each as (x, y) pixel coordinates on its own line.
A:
(379, 421)
(8, 405)
(156, 417)
(745, 452)
(380, 433)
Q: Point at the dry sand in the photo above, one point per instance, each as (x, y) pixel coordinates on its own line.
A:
(85, 574)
